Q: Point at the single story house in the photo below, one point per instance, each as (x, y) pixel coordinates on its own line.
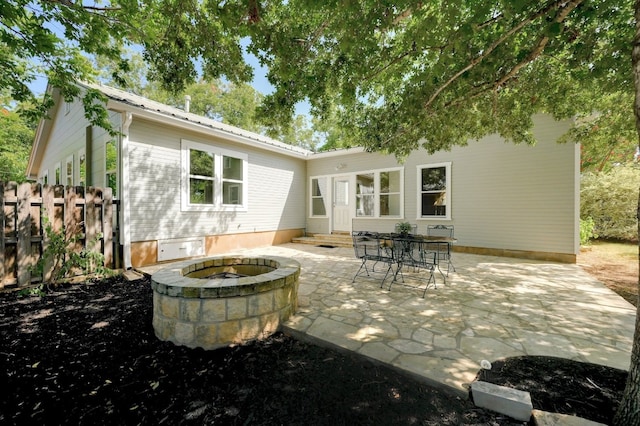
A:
(189, 185)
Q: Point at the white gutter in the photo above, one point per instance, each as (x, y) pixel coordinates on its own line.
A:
(125, 204)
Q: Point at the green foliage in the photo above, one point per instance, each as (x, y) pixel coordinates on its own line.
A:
(37, 290)
(404, 227)
(608, 136)
(611, 200)
(587, 227)
(53, 39)
(16, 136)
(64, 261)
(435, 74)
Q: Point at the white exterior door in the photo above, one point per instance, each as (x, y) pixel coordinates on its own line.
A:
(341, 204)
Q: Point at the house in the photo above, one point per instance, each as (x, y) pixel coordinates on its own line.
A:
(191, 186)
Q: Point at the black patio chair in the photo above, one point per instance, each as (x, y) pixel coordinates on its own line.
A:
(417, 254)
(371, 247)
(442, 248)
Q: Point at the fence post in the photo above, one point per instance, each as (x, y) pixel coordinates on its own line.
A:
(107, 226)
(24, 234)
(48, 203)
(91, 219)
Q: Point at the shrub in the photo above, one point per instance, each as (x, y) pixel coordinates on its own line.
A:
(64, 261)
(611, 200)
(587, 231)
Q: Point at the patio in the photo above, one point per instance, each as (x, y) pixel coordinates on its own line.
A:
(491, 308)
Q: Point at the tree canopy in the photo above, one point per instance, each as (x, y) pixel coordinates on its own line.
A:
(437, 73)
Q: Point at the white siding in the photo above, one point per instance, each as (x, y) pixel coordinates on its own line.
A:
(276, 189)
(68, 137)
(504, 196)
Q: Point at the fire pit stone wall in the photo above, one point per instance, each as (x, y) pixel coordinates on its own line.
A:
(216, 302)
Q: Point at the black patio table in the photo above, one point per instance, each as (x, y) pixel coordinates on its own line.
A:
(417, 250)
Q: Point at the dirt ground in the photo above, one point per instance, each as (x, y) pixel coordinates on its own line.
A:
(87, 355)
(615, 264)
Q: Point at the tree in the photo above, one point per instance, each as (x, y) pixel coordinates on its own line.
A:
(52, 39)
(435, 74)
(16, 135)
(608, 137)
(440, 73)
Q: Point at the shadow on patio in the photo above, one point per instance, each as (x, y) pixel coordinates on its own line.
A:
(491, 308)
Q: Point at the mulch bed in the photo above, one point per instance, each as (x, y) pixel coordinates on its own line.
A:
(86, 355)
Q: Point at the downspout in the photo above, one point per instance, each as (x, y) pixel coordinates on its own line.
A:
(125, 209)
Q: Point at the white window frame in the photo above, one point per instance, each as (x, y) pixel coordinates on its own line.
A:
(325, 197)
(68, 176)
(218, 155)
(57, 174)
(376, 193)
(82, 156)
(447, 215)
(45, 177)
(115, 171)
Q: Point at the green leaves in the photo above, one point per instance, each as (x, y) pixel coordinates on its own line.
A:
(440, 72)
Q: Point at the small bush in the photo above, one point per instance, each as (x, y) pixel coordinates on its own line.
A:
(587, 233)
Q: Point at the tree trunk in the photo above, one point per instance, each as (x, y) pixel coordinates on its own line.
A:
(628, 412)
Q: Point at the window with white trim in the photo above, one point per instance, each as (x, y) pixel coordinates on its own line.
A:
(111, 166)
(434, 194)
(45, 177)
(68, 170)
(365, 195)
(379, 193)
(58, 171)
(82, 168)
(319, 196)
(213, 178)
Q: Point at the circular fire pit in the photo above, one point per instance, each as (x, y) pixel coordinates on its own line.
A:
(218, 301)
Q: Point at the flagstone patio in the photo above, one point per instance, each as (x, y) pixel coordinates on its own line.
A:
(491, 308)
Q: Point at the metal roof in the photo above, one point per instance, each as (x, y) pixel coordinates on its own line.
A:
(142, 103)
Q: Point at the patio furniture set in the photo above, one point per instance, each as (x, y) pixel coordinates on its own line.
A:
(421, 254)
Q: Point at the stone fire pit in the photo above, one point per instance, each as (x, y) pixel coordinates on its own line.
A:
(219, 301)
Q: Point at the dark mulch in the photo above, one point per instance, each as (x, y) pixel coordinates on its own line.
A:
(87, 355)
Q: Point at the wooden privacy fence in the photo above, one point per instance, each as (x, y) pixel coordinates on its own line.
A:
(86, 214)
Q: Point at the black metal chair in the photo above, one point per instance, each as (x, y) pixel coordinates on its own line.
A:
(442, 248)
(371, 247)
(417, 254)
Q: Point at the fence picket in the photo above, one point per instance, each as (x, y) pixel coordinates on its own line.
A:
(26, 208)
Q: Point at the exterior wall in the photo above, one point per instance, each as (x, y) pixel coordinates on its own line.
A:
(505, 198)
(68, 137)
(276, 190)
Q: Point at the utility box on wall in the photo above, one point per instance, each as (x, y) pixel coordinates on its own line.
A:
(180, 248)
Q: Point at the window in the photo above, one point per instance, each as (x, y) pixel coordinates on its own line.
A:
(390, 193)
(213, 178)
(319, 196)
(434, 183)
(232, 178)
(45, 177)
(68, 169)
(365, 195)
(82, 168)
(378, 193)
(111, 166)
(58, 174)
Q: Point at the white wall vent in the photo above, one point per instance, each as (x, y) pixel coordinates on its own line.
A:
(180, 248)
